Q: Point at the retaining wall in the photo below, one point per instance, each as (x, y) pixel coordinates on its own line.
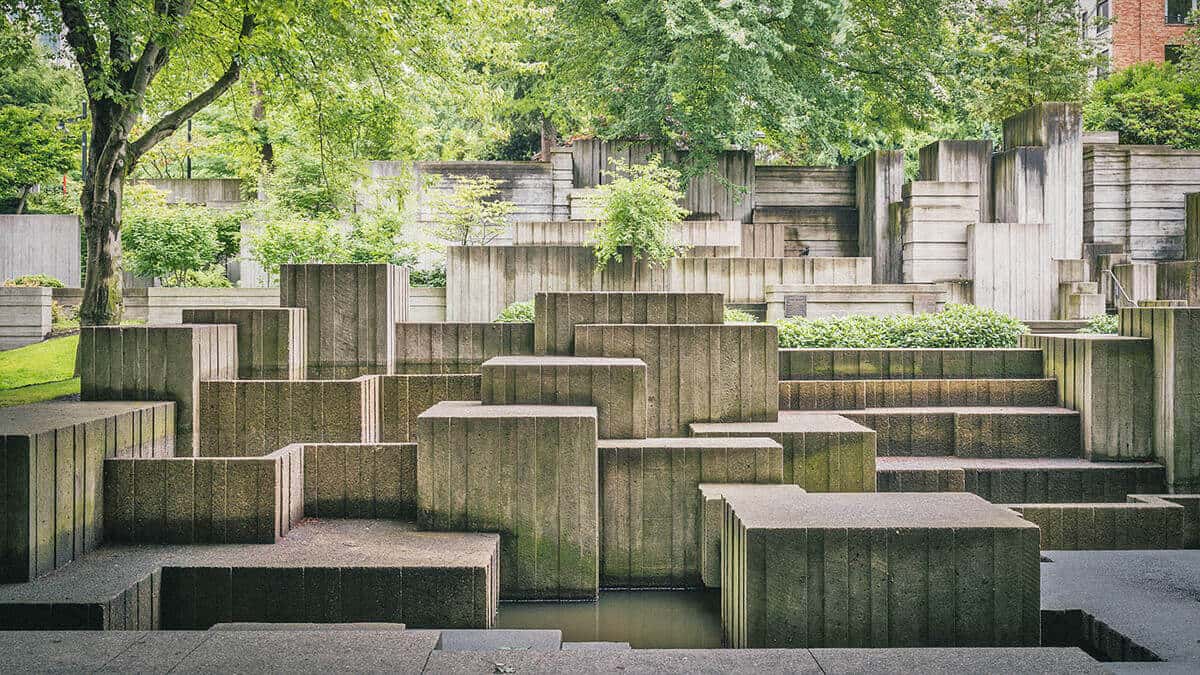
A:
(40, 244)
(165, 305)
(25, 316)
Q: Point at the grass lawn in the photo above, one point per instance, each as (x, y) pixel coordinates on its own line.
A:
(39, 372)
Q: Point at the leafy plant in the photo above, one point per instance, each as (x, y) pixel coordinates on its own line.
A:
(375, 237)
(957, 326)
(518, 312)
(32, 150)
(35, 281)
(1102, 323)
(738, 316)
(431, 277)
(1149, 103)
(470, 215)
(285, 238)
(639, 210)
(167, 241)
(212, 277)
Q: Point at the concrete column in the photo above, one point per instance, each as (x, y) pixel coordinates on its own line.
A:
(961, 161)
(879, 176)
(1058, 127)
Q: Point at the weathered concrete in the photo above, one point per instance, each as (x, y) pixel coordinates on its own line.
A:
(825, 300)
(40, 244)
(651, 529)
(695, 373)
(161, 306)
(1192, 227)
(961, 161)
(1019, 185)
(323, 571)
(712, 515)
(821, 452)
(615, 386)
(934, 222)
(880, 570)
(860, 394)
(360, 480)
(204, 500)
(252, 418)
(403, 397)
(1057, 127)
(1176, 336)
(904, 364)
(557, 314)
(879, 178)
(458, 347)
(352, 312)
(527, 472)
(1010, 268)
(973, 431)
(1138, 280)
(271, 342)
(51, 476)
(1179, 280)
(25, 316)
(1109, 379)
(1022, 481)
(146, 363)
(1138, 524)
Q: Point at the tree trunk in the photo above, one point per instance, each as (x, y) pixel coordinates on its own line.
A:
(22, 200)
(102, 226)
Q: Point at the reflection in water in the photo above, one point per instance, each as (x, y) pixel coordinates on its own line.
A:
(644, 619)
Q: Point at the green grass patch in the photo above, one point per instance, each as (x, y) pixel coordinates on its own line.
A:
(39, 372)
(36, 393)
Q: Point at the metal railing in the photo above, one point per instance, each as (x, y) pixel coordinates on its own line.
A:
(1121, 294)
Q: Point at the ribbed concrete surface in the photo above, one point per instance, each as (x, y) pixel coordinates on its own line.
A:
(272, 342)
(858, 394)
(557, 314)
(901, 364)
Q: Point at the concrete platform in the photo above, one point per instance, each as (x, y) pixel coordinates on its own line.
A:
(878, 570)
(822, 452)
(973, 431)
(860, 394)
(340, 571)
(1016, 481)
(714, 496)
(1141, 523)
(908, 364)
(557, 314)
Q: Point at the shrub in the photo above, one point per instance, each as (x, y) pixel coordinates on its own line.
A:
(432, 277)
(639, 209)
(213, 277)
(471, 215)
(518, 312)
(957, 326)
(1102, 323)
(167, 241)
(35, 281)
(738, 316)
(1149, 103)
(287, 238)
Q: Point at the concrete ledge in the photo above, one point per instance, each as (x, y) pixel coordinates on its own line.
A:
(557, 314)
(987, 432)
(165, 305)
(1143, 523)
(271, 342)
(859, 394)
(353, 480)
(829, 300)
(615, 386)
(403, 397)
(458, 347)
(652, 512)
(713, 497)
(25, 316)
(821, 452)
(1191, 514)
(907, 364)
(52, 507)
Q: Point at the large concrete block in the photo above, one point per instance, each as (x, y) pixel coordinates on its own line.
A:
(879, 177)
(1011, 270)
(1175, 333)
(1178, 280)
(934, 224)
(906, 364)
(859, 394)
(878, 570)
(271, 342)
(969, 161)
(52, 508)
(360, 480)
(148, 363)
(615, 386)
(651, 511)
(821, 452)
(1019, 185)
(204, 500)
(712, 516)
(1109, 379)
(24, 316)
(557, 314)
(252, 418)
(825, 300)
(696, 373)
(1058, 127)
(352, 311)
(162, 306)
(1141, 523)
(403, 397)
(967, 431)
(458, 347)
(527, 472)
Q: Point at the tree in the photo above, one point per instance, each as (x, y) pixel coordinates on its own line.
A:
(1148, 103)
(168, 241)
(31, 150)
(470, 215)
(639, 210)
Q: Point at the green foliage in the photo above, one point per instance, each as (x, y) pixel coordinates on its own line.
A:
(1149, 103)
(470, 215)
(518, 312)
(32, 150)
(738, 316)
(212, 277)
(167, 240)
(375, 237)
(287, 238)
(957, 326)
(35, 281)
(1102, 323)
(52, 198)
(307, 186)
(639, 210)
(428, 277)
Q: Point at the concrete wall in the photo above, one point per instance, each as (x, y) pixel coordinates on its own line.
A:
(211, 192)
(811, 210)
(426, 304)
(1135, 195)
(904, 364)
(969, 161)
(1178, 280)
(576, 233)
(51, 476)
(40, 244)
(825, 300)
(1192, 227)
(1138, 280)
(271, 342)
(457, 347)
(1142, 523)
(934, 222)
(360, 480)
(165, 305)
(1011, 270)
(557, 314)
(1019, 185)
(483, 280)
(25, 316)
(1058, 127)
(879, 181)
(402, 398)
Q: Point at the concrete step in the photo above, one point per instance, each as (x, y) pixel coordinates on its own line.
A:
(596, 646)
(344, 571)
(1022, 481)
(965, 431)
(1143, 522)
(616, 386)
(1055, 326)
(496, 639)
(907, 364)
(860, 394)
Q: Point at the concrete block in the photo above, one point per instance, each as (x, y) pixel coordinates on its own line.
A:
(821, 452)
(352, 311)
(878, 570)
(860, 394)
(1057, 127)
(906, 364)
(1192, 227)
(615, 386)
(969, 161)
(826, 300)
(1178, 280)
(557, 314)
(52, 506)
(146, 363)
(271, 342)
(24, 316)
(712, 518)
(359, 480)
(933, 227)
(1011, 268)
(403, 397)
(879, 177)
(994, 432)
(458, 347)
(525, 471)
(1142, 523)
(651, 530)
(160, 306)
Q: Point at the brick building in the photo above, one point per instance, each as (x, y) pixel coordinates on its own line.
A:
(1140, 30)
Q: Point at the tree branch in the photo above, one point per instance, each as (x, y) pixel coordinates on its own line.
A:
(83, 43)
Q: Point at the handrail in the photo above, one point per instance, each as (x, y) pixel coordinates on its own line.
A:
(1121, 294)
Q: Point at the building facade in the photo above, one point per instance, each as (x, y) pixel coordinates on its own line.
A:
(1137, 30)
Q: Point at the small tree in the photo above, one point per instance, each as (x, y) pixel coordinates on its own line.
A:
(32, 150)
(287, 238)
(167, 241)
(639, 209)
(471, 215)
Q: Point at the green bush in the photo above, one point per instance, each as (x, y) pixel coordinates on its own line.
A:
(288, 238)
(167, 241)
(738, 316)
(35, 281)
(1149, 103)
(518, 312)
(639, 210)
(471, 215)
(432, 277)
(213, 277)
(957, 326)
(1102, 323)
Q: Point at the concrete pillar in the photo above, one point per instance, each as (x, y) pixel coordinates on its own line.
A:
(1058, 127)
(1192, 231)
(271, 342)
(879, 177)
(961, 161)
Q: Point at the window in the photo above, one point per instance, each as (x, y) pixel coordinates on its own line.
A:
(1102, 16)
(1178, 10)
(1173, 53)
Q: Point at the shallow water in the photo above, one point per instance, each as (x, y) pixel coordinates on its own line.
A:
(689, 619)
